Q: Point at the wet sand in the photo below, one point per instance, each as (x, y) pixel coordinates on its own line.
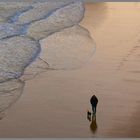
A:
(54, 104)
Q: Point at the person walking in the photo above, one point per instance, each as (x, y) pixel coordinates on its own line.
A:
(94, 102)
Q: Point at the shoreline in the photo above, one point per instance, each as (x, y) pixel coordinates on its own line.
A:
(54, 104)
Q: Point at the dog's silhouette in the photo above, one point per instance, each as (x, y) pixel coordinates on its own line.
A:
(88, 115)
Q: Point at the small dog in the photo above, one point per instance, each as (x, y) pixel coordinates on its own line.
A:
(88, 115)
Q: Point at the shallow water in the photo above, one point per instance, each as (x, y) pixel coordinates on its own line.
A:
(22, 29)
(54, 104)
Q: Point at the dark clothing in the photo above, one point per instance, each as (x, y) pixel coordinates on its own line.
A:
(94, 102)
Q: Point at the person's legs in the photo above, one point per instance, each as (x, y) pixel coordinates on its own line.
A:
(93, 109)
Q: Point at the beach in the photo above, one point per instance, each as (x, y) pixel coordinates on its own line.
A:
(55, 102)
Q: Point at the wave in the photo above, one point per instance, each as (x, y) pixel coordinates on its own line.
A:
(16, 53)
(68, 49)
(64, 17)
(40, 11)
(36, 37)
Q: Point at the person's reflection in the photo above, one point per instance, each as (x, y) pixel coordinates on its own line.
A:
(93, 125)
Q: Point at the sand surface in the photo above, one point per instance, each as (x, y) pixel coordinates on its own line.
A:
(54, 104)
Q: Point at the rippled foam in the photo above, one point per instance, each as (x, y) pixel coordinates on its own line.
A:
(40, 11)
(65, 44)
(7, 30)
(15, 54)
(9, 9)
(69, 49)
(60, 19)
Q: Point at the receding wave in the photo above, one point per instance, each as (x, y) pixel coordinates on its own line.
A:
(40, 11)
(36, 37)
(15, 54)
(9, 30)
(70, 48)
(64, 17)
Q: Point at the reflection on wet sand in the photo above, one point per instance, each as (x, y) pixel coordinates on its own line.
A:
(93, 125)
(92, 118)
(117, 56)
(135, 124)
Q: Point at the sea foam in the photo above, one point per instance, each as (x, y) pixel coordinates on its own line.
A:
(70, 48)
(40, 11)
(15, 54)
(40, 36)
(64, 17)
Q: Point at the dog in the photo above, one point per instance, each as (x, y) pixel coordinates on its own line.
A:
(88, 115)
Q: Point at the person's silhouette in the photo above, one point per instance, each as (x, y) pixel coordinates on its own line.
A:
(94, 102)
